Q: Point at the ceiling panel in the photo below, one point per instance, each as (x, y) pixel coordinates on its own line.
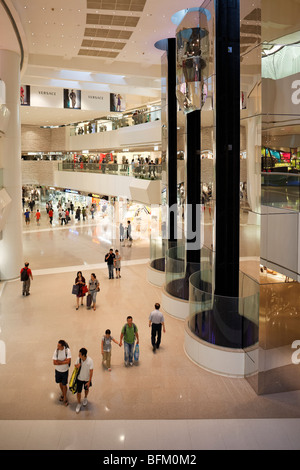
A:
(107, 33)
(95, 53)
(102, 44)
(112, 20)
(120, 5)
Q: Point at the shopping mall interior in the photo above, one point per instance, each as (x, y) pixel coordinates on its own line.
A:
(169, 133)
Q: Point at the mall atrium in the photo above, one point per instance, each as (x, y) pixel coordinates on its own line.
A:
(169, 133)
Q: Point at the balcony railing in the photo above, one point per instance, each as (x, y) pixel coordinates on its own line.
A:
(143, 171)
(111, 124)
(281, 190)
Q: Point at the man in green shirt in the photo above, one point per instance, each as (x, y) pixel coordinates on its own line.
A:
(130, 333)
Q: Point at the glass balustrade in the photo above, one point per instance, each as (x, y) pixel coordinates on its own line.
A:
(111, 123)
(227, 322)
(281, 190)
(141, 171)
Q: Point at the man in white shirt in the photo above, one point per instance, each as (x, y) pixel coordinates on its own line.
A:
(156, 320)
(62, 360)
(84, 379)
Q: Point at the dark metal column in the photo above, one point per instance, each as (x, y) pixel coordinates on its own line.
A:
(193, 186)
(172, 142)
(227, 171)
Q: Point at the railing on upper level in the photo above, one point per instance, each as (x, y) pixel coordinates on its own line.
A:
(112, 123)
(281, 190)
(142, 171)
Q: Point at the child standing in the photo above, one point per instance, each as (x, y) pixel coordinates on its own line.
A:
(106, 349)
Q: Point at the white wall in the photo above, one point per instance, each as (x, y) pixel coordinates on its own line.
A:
(280, 241)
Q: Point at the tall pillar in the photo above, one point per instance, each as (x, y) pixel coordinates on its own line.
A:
(227, 170)
(193, 187)
(11, 249)
(171, 142)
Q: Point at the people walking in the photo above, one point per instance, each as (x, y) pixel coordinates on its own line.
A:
(117, 264)
(109, 259)
(84, 378)
(156, 322)
(62, 360)
(50, 213)
(106, 349)
(37, 217)
(27, 216)
(129, 236)
(121, 232)
(26, 277)
(80, 281)
(94, 288)
(130, 335)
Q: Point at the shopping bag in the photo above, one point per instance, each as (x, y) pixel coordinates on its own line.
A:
(75, 289)
(136, 353)
(73, 380)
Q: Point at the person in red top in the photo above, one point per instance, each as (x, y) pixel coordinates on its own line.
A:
(25, 277)
(50, 213)
(38, 216)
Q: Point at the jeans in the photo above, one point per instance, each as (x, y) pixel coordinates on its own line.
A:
(128, 352)
(110, 271)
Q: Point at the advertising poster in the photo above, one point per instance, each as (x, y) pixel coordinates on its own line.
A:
(72, 98)
(117, 102)
(25, 95)
(95, 100)
(45, 97)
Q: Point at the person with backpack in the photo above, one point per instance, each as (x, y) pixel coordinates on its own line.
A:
(130, 334)
(62, 361)
(25, 277)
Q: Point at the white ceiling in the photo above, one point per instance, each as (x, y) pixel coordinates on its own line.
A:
(53, 32)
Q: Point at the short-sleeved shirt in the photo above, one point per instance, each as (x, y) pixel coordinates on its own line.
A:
(62, 355)
(129, 333)
(156, 317)
(93, 284)
(86, 366)
(107, 343)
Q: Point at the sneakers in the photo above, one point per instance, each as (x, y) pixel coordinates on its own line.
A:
(109, 369)
(78, 407)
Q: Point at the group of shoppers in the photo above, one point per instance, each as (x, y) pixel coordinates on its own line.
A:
(85, 365)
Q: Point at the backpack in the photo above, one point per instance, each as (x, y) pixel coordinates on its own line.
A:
(24, 274)
(126, 325)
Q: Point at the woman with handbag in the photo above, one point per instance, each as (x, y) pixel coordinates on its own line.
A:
(94, 287)
(82, 288)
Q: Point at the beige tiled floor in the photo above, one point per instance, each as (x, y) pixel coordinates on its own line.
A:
(164, 394)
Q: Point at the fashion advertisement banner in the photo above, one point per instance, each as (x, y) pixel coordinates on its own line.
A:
(95, 101)
(117, 102)
(45, 97)
(25, 95)
(72, 98)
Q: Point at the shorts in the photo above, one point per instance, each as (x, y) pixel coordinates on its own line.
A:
(80, 384)
(61, 377)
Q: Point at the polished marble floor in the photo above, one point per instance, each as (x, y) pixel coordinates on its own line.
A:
(164, 402)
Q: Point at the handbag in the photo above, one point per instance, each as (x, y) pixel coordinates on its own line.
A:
(85, 289)
(75, 289)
